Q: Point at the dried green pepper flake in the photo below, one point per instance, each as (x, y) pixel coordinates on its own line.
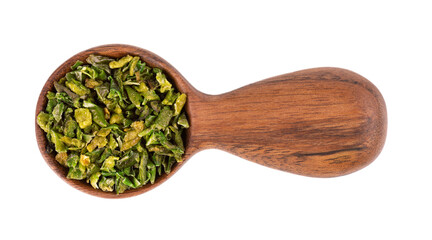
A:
(76, 65)
(102, 92)
(145, 133)
(106, 184)
(100, 62)
(62, 88)
(165, 85)
(97, 113)
(70, 127)
(108, 164)
(61, 158)
(152, 140)
(115, 91)
(58, 111)
(121, 62)
(134, 97)
(182, 121)
(177, 137)
(94, 178)
(133, 64)
(179, 103)
(83, 117)
(91, 169)
(149, 94)
(59, 145)
(50, 105)
(77, 173)
(96, 154)
(98, 141)
(103, 132)
(151, 171)
(156, 106)
(127, 161)
(72, 142)
(163, 118)
(170, 97)
(176, 150)
(169, 163)
(74, 75)
(142, 168)
(63, 97)
(131, 138)
(43, 120)
(92, 83)
(77, 87)
(72, 160)
(112, 143)
(90, 72)
(84, 160)
(116, 123)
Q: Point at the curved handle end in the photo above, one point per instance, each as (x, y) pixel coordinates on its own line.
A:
(321, 122)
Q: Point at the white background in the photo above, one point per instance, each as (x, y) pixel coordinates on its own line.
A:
(219, 47)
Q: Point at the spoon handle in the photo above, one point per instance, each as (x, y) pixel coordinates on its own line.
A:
(321, 122)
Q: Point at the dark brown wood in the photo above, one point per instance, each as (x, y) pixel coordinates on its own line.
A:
(321, 122)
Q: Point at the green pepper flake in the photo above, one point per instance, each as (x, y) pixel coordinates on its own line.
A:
(121, 62)
(43, 121)
(134, 62)
(165, 85)
(134, 97)
(116, 123)
(76, 65)
(179, 103)
(163, 118)
(77, 87)
(94, 178)
(83, 117)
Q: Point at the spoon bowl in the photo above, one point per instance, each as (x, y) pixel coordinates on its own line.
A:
(321, 122)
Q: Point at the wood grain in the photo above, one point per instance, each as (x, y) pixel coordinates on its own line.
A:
(321, 122)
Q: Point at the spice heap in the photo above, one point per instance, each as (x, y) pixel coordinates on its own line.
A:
(117, 123)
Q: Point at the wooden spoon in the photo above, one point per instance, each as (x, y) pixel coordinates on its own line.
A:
(321, 122)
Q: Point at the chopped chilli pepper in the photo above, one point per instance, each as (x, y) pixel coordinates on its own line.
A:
(116, 123)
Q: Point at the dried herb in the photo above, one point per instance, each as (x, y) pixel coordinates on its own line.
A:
(116, 123)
